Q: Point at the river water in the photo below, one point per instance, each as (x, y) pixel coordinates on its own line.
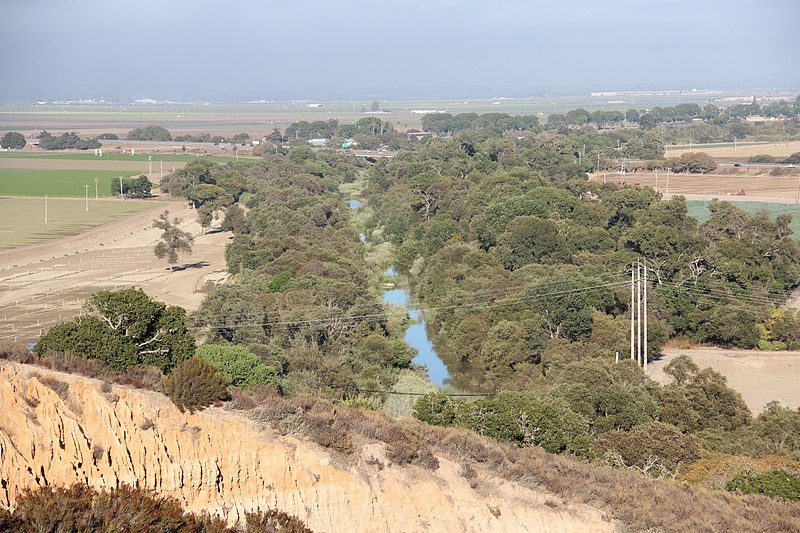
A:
(416, 335)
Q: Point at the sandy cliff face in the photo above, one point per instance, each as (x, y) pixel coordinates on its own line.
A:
(221, 462)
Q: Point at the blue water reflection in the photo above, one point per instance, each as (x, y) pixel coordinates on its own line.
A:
(416, 335)
(354, 204)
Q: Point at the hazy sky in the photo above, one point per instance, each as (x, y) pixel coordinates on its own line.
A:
(254, 49)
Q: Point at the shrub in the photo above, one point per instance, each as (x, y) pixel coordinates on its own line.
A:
(243, 368)
(652, 448)
(80, 508)
(776, 483)
(13, 351)
(195, 384)
(274, 521)
(56, 385)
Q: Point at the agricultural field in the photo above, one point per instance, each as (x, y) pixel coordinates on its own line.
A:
(43, 285)
(22, 219)
(699, 210)
(737, 151)
(755, 185)
(107, 156)
(56, 182)
(259, 118)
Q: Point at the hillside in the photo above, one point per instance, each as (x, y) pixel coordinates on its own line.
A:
(58, 429)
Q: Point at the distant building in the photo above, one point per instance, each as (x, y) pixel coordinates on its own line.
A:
(317, 142)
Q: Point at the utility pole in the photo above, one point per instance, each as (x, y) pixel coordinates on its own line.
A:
(633, 312)
(150, 163)
(645, 316)
(798, 188)
(86, 190)
(638, 312)
(120, 187)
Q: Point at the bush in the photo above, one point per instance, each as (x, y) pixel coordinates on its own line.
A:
(241, 367)
(274, 521)
(14, 351)
(776, 483)
(195, 384)
(654, 448)
(81, 508)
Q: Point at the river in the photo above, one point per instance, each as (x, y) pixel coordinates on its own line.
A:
(416, 335)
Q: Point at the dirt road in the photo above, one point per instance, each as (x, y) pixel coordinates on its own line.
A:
(48, 283)
(759, 376)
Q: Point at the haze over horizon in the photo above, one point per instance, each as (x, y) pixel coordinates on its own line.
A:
(314, 49)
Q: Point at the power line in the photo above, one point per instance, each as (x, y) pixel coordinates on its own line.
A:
(452, 395)
(427, 311)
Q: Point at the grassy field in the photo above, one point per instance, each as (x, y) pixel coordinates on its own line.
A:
(22, 219)
(176, 158)
(69, 183)
(699, 210)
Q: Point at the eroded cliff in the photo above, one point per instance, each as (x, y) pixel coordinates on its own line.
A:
(57, 429)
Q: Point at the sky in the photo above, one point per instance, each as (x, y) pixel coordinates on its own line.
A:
(340, 49)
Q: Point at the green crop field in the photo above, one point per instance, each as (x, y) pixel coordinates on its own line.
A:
(38, 182)
(171, 158)
(699, 210)
(22, 219)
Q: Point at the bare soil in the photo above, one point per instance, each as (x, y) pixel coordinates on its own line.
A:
(728, 184)
(45, 284)
(759, 376)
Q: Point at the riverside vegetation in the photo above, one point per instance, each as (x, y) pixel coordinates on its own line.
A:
(525, 262)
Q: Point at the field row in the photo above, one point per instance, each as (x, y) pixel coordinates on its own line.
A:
(22, 220)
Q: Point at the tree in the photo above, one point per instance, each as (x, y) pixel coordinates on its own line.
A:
(150, 133)
(12, 139)
(174, 240)
(235, 219)
(125, 328)
(140, 187)
(632, 115)
(376, 106)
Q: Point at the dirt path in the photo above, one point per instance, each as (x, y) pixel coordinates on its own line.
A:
(760, 376)
(44, 284)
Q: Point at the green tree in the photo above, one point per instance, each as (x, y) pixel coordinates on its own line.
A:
(174, 241)
(632, 115)
(150, 133)
(12, 139)
(140, 187)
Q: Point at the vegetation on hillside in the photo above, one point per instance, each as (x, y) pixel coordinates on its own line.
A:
(125, 508)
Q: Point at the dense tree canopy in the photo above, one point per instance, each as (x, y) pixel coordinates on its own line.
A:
(12, 139)
(124, 328)
(150, 133)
